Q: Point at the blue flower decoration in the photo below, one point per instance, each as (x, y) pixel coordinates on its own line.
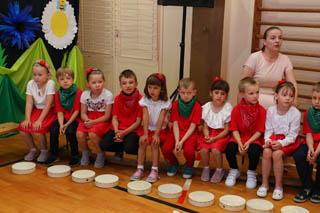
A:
(19, 26)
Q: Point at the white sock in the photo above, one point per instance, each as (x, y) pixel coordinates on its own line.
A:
(140, 167)
(219, 169)
(154, 168)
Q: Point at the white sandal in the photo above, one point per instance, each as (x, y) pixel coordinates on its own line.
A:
(277, 194)
(262, 191)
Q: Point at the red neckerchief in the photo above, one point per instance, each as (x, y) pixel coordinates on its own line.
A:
(129, 103)
(249, 114)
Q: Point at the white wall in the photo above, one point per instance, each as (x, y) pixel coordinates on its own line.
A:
(170, 36)
(236, 47)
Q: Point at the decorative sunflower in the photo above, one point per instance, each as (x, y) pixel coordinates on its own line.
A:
(59, 23)
(19, 26)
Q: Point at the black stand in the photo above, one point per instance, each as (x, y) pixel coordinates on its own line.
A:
(173, 96)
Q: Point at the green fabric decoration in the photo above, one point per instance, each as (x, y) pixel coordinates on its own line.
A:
(12, 103)
(75, 62)
(21, 70)
(313, 118)
(2, 57)
(185, 108)
(67, 96)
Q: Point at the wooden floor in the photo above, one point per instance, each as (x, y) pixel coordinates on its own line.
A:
(37, 192)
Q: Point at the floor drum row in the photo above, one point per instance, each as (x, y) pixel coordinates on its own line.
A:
(196, 198)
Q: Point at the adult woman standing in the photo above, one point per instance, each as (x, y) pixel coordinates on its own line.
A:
(268, 66)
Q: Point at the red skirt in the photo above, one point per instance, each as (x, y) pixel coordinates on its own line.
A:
(163, 134)
(46, 123)
(219, 144)
(291, 148)
(99, 129)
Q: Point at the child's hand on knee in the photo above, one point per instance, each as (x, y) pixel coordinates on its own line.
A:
(36, 125)
(25, 124)
(207, 139)
(276, 145)
(240, 148)
(143, 139)
(155, 139)
(267, 144)
(88, 124)
(179, 146)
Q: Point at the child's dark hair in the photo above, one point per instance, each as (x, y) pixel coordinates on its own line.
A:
(316, 87)
(285, 84)
(128, 74)
(94, 71)
(159, 80)
(220, 85)
(266, 34)
(246, 81)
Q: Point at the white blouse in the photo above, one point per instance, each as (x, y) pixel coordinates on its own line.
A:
(98, 104)
(287, 124)
(36, 93)
(154, 110)
(216, 120)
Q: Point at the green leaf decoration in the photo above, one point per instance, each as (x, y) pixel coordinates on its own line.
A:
(2, 57)
(21, 71)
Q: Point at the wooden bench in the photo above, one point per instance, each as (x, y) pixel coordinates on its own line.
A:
(8, 127)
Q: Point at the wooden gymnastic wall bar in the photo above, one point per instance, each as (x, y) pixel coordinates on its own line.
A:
(256, 36)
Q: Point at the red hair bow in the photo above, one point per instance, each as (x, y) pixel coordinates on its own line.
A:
(89, 70)
(216, 79)
(42, 63)
(160, 76)
(281, 82)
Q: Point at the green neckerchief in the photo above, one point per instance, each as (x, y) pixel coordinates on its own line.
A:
(185, 108)
(67, 96)
(313, 118)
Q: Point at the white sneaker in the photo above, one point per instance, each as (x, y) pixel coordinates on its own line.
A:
(232, 177)
(251, 179)
(262, 191)
(277, 194)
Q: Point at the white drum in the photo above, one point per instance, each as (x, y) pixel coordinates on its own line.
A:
(83, 176)
(293, 209)
(169, 190)
(259, 206)
(139, 187)
(232, 203)
(59, 171)
(106, 181)
(23, 168)
(201, 198)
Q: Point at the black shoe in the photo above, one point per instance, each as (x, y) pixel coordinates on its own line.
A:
(74, 161)
(302, 196)
(315, 198)
(51, 160)
(118, 156)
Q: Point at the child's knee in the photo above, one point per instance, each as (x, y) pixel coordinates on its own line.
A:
(143, 144)
(277, 155)
(215, 152)
(267, 153)
(93, 135)
(155, 145)
(204, 151)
